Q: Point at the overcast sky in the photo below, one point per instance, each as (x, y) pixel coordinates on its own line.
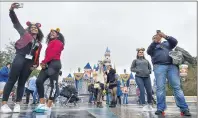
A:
(89, 27)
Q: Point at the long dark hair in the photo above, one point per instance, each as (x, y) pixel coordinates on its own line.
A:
(137, 57)
(60, 37)
(39, 35)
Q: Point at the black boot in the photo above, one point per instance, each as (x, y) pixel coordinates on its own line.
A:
(114, 105)
(98, 104)
(101, 106)
(111, 104)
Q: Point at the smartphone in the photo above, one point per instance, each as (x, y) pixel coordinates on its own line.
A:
(19, 5)
(158, 31)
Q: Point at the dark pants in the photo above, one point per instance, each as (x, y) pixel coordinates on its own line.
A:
(119, 99)
(52, 72)
(100, 92)
(144, 83)
(114, 94)
(57, 93)
(28, 92)
(20, 70)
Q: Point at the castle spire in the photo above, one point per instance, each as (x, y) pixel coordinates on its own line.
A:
(107, 60)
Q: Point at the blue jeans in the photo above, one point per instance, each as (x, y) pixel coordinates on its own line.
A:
(35, 96)
(171, 72)
(144, 83)
(108, 96)
(125, 98)
(91, 97)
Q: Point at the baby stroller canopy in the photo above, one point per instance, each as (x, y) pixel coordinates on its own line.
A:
(70, 93)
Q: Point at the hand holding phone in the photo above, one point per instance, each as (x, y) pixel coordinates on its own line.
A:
(161, 34)
(16, 6)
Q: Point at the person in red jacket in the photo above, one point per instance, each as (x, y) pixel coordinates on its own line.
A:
(28, 49)
(51, 66)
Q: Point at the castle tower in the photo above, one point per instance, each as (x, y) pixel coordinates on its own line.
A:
(107, 60)
(87, 71)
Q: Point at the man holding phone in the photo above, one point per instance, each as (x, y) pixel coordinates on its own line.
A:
(164, 68)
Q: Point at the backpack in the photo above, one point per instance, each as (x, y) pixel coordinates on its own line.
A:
(187, 57)
(180, 56)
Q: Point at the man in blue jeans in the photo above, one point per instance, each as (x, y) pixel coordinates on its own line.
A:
(164, 68)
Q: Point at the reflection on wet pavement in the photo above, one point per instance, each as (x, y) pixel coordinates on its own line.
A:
(85, 110)
(135, 111)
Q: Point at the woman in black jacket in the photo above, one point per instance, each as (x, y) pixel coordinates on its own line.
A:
(112, 82)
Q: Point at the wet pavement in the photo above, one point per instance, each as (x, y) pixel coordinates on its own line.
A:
(135, 111)
(85, 110)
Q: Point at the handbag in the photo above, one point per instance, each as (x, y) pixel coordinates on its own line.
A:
(96, 85)
(113, 83)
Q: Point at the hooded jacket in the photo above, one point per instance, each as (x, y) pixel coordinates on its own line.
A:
(4, 74)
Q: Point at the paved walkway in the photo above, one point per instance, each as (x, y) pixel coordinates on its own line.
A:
(85, 110)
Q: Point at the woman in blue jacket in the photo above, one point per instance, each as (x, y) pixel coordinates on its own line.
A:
(119, 91)
(4, 73)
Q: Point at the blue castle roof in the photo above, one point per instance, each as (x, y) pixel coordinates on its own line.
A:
(87, 66)
(69, 75)
(107, 49)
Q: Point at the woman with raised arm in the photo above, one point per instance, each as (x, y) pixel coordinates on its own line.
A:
(51, 67)
(28, 49)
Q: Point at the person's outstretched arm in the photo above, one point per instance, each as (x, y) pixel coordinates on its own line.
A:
(15, 21)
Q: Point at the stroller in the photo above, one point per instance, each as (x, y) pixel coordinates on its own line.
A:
(70, 93)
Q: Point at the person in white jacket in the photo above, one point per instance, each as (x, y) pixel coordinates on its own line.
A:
(99, 85)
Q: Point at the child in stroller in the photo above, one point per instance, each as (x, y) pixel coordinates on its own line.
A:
(70, 93)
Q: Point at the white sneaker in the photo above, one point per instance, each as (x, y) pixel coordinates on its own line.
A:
(150, 107)
(5, 109)
(48, 110)
(17, 108)
(147, 108)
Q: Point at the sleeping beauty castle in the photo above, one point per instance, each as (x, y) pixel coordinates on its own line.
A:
(82, 79)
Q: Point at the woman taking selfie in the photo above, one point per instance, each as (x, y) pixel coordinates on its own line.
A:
(28, 49)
